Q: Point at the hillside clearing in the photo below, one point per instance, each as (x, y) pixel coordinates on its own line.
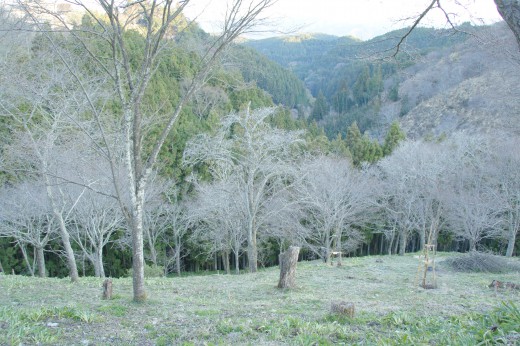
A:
(230, 309)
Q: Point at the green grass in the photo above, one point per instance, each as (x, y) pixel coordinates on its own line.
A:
(249, 309)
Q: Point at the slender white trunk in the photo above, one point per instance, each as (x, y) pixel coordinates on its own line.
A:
(512, 236)
(402, 243)
(40, 261)
(26, 259)
(137, 252)
(151, 247)
(99, 261)
(65, 236)
(252, 250)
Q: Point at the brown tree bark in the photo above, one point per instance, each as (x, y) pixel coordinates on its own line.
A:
(288, 260)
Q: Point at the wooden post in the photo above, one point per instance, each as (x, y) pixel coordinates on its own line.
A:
(288, 260)
(107, 289)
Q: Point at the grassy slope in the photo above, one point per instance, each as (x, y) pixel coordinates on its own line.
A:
(249, 309)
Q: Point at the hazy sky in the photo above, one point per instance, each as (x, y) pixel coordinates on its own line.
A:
(361, 18)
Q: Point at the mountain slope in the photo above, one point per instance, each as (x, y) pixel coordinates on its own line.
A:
(442, 82)
(471, 87)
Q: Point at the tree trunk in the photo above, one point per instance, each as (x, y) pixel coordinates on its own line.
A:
(26, 259)
(402, 243)
(422, 239)
(511, 244)
(64, 235)
(510, 12)
(1, 268)
(151, 247)
(252, 251)
(137, 252)
(69, 253)
(288, 260)
(472, 245)
(338, 249)
(396, 243)
(512, 236)
(237, 262)
(99, 260)
(225, 260)
(178, 259)
(40, 261)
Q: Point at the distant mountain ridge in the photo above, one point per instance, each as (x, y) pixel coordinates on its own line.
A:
(443, 80)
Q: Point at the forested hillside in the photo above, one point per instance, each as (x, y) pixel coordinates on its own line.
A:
(441, 80)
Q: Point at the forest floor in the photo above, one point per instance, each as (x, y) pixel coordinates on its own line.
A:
(390, 308)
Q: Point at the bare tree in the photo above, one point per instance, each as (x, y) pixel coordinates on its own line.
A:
(508, 9)
(336, 199)
(130, 76)
(180, 222)
(33, 96)
(413, 186)
(473, 202)
(507, 183)
(260, 158)
(94, 220)
(25, 216)
(218, 214)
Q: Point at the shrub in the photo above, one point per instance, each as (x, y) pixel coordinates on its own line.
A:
(479, 262)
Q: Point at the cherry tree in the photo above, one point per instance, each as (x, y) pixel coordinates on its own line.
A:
(413, 187)
(95, 219)
(218, 214)
(473, 201)
(26, 217)
(507, 180)
(259, 157)
(336, 199)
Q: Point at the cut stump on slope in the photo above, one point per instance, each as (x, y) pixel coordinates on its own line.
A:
(107, 289)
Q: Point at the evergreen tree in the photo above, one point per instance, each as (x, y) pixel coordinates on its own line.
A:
(321, 108)
(339, 148)
(362, 87)
(393, 137)
(355, 143)
(342, 101)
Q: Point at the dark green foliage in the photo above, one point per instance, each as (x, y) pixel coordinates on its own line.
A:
(320, 108)
(393, 93)
(342, 100)
(9, 256)
(362, 148)
(393, 137)
(479, 262)
(283, 86)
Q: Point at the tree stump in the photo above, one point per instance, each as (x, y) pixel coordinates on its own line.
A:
(288, 260)
(107, 289)
(342, 308)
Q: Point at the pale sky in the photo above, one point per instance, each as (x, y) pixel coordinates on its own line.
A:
(361, 18)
